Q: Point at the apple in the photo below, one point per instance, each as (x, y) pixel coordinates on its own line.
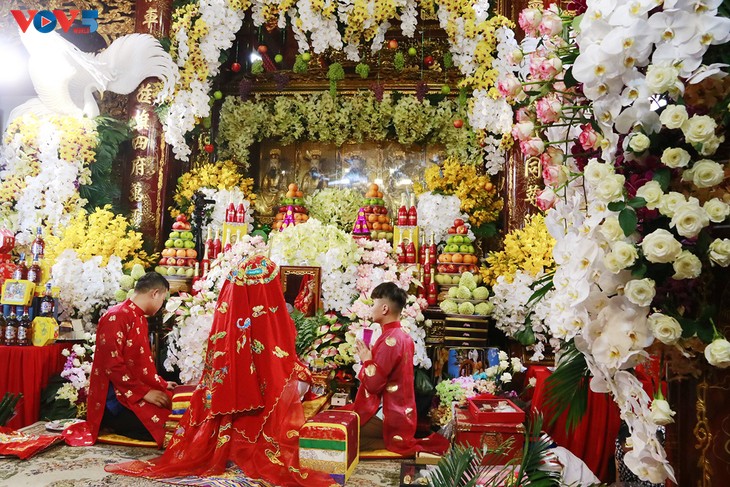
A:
(177, 226)
(288, 201)
(392, 44)
(278, 58)
(457, 239)
(471, 249)
(186, 235)
(462, 230)
(428, 60)
(189, 244)
(451, 248)
(181, 218)
(188, 226)
(180, 261)
(174, 235)
(190, 262)
(412, 51)
(367, 209)
(169, 243)
(458, 123)
(450, 268)
(209, 148)
(306, 56)
(452, 230)
(458, 222)
(298, 201)
(262, 49)
(464, 249)
(179, 243)
(465, 239)
(235, 67)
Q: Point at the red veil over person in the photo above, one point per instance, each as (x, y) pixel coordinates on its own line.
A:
(246, 407)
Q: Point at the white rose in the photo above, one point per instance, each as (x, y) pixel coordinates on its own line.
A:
(516, 364)
(595, 171)
(660, 79)
(661, 413)
(699, 129)
(674, 116)
(652, 193)
(705, 174)
(687, 266)
(717, 210)
(660, 246)
(641, 292)
(720, 252)
(710, 147)
(506, 377)
(675, 157)
(502, 355)
(622, 255)
(610, 188)
(689, 219)
(639, 142)
(717, 353)
(611, 229)
(669, 203)
(665, 328)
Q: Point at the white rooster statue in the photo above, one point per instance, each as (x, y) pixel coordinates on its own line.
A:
(65, 78)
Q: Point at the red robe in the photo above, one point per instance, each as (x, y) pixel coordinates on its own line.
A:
(123, 358)
(389, 376)
(246, 408)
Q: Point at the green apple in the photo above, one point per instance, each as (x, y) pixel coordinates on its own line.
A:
(189, 244)
(306, 56)
(458, 239)
(450, 240)
(298, 201)
(174, 235)
(471, 249)
(169, 243)
(465, 239)
(179, 243)
(288, 201)
(186, 235)
(452, 248)
(374, 235)
(464, 249)
(278, 58)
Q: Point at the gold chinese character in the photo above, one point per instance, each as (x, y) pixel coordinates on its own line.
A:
(151, 17)
(140, 142)
(531, 193)
(532, 167)
(142, 120)
(138, 165)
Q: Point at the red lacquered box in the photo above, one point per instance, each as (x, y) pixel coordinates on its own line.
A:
(485, 410)
(474, 432)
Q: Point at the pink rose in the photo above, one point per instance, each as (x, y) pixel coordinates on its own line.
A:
(589, 138)
(524, 114)
(549, 68)
(532, 147)
(551, 24)
(529, 20)
(554, 175)
(546, 199)
(552, 156)
(549, 109)
(509, 87)
(523, 130)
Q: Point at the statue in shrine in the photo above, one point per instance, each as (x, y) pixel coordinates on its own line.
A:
(313, 179)
(272, 185)
(356, 173)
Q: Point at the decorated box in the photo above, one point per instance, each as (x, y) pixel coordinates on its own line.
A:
(45, 331)
(474, 432)
(330, 443)
(495, 410)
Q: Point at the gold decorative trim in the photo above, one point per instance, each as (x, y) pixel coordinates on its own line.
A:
(703, 435)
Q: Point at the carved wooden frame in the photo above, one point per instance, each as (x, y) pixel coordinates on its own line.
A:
(286, 271)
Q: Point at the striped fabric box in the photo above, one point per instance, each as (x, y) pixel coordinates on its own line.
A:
(180, 403)
(330, 443)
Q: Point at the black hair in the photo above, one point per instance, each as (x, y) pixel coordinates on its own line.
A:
(150, 281)
(391, 292)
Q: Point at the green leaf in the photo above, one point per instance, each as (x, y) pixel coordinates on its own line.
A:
(689, 327)
(569, 79)
(639, 270)
(485, 230)
(637, 202)
(616, 205)
(567, 388)
(422, 382)
(705, 332)
(541, 292)
(628, 221)
(663, 176)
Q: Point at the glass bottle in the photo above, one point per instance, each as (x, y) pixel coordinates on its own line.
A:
(209, 243)
(196, 276)
(432, 295)
(427, 267)
(227, 243)
(402, 213)
(421, 292)
(11, 329)
(411, 253)
(38, 246)
(240, 213)
(205, 263)
(217, 246)
(421, 249)
(432, 251)
(48, 304)
(21, 271)
(413, 213)
(24, 329)
(35, 271)
(230, 211)
(3, 326)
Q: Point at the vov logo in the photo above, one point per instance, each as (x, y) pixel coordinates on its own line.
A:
(45, 21)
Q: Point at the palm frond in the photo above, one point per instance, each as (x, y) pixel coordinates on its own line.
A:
(535, 455)
(105, 182)
(7, 406)
(306, 327)
(567, 388)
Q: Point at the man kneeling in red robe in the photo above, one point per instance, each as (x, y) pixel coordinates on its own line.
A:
(126, 396)
(387, 376)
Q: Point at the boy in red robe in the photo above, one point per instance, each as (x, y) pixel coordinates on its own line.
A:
(387, 376)
(126, 395)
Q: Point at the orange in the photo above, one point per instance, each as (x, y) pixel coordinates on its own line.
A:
(380, 194)
(305, 217)
(372, 217)
(445, 258)
(376, 226)
(382, 219)
(299, 194)
(181, 253)
(293, 187)
(190, 253)
(373, 187)
(279, 216)
(457, 258)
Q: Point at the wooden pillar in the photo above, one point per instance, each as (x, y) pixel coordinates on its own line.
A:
(149, 168)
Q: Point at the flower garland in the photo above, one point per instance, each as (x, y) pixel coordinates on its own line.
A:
(337, 207)
(221, 175)
(322, 118)
(529, 249)
(476, 192)
(42, 165)
(193, 314)
(336, 252)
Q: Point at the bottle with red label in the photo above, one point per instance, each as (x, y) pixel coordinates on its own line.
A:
(421, 250)
(230, 212)
(38, 246)
(432, 294)
(196, 277)
(227, 242)
(413, 213)
(208, 250)
(403, 213)
(217, 245)
(432, 251)
(421, 292)
(411, 253)
(426, 267)
(240, 213)
(401, 252)
(21, 270)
